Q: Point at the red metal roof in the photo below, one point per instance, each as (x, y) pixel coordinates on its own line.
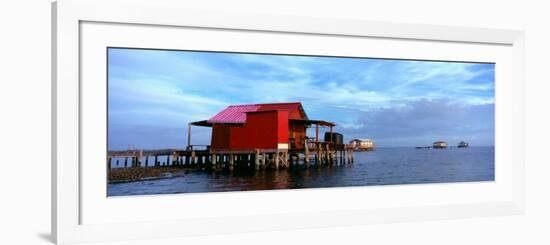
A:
(237, 113)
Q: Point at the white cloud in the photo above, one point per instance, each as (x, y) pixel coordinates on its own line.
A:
(154, 100)
(414, 72)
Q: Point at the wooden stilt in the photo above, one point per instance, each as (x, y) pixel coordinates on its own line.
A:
(306, 153)
(276, 160)
(290, 160)
(231, 161)
(257, 159)
(263, 160)
(286, 159)
(200, 160)
(214, 160)
(329, 154)
(321, 156)
(316, 160)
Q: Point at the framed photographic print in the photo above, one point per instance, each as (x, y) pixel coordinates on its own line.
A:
(368, 121)
(208, 123)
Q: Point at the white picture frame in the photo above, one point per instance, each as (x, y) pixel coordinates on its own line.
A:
(68, 16)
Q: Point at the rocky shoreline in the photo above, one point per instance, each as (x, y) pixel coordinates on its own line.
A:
(124, 175)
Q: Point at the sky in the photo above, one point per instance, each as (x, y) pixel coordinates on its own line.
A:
(154, 94)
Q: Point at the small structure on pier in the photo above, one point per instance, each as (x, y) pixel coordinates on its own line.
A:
(334, 137)
(362, 144)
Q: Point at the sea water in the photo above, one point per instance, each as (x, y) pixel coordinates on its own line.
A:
(384, 166)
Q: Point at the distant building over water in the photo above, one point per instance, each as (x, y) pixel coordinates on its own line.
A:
(362, 144)
(440, 144)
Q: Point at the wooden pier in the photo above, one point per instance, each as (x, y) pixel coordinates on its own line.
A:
(313, 154)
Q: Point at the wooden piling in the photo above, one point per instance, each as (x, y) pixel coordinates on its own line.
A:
(213, 161)
(193, 155)
(316, 158)
(329, 154)
(287, 159)
(321, 156)
(257, 159)
(306, 153)
(231, 161)
(276, 159)
(322, 153)
(263, 160)
(174, 159)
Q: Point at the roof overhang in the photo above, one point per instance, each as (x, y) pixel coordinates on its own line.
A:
(203, 123)
(206, 123)
(308, 122)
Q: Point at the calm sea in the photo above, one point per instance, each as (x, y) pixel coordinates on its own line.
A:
(384, 166)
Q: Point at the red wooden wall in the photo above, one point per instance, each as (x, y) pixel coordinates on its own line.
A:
(262, 130)
(220, 136)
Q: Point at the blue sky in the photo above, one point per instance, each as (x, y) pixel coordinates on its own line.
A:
(153, 94)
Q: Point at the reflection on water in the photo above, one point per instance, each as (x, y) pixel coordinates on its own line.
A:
(385, 166)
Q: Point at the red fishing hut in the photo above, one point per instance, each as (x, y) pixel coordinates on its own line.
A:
(267, 127)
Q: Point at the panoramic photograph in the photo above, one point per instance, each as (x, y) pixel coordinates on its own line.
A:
(184, 121)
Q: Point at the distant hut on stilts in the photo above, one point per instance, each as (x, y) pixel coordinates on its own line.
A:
(362, 144)
(440, 145)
